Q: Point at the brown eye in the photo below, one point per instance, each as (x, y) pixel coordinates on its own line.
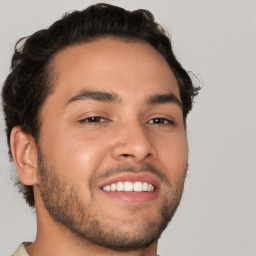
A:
(93, 119)
(159, 120)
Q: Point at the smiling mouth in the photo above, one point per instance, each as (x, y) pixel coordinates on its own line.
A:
(128, 186)
(131, 188)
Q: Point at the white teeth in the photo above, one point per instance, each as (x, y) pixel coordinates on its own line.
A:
(108, 188)
(113, 187)
(128, 186)
(120, 186)
(145, 186)
(137, 186)
(150, 188)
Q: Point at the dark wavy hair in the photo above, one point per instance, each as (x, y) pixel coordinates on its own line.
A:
(31, 78)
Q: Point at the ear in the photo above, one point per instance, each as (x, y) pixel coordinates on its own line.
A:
(24, 153)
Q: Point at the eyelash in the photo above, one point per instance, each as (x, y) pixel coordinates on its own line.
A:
(93, 119)
(160, 121)
(156, 120)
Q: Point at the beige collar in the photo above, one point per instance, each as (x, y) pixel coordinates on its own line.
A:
(21, 251)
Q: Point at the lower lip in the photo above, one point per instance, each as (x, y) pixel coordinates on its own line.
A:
(132, 197)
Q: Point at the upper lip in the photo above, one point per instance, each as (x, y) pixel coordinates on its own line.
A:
(132, 177)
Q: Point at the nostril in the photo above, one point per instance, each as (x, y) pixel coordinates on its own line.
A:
(130, 155)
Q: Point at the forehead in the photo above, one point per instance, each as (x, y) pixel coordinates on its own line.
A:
(112, 65)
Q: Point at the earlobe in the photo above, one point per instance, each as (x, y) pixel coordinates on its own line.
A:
(24, 153)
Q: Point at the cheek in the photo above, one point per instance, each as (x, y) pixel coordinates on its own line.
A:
(174, 155)
(75, 156)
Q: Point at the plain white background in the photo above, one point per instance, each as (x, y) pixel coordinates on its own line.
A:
(216, 40)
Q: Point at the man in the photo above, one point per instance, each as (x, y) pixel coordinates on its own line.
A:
(95, 109)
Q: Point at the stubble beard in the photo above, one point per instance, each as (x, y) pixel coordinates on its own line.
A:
(62, 201)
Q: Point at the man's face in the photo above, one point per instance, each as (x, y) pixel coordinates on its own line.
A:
(112, 131)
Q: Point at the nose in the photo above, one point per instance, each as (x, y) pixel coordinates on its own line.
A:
(133, 143)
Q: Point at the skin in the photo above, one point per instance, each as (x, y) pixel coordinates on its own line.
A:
(128, 135)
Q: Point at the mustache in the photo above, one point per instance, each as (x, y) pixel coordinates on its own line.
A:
(129, 168)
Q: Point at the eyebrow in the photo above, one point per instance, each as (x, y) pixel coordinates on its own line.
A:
(95, 95)
(102, 96)
(164, 98)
